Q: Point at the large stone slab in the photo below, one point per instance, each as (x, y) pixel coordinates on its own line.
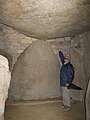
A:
(5, 77)
(35, 74)
(45, 19)
(87, 73)
(87, 101)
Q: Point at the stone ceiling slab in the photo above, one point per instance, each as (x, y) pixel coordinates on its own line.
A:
(46, 19)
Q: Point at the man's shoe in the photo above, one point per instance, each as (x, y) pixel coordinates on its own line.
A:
(62, 106)
(67, 108)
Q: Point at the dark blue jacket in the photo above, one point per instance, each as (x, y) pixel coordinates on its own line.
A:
(66, 71)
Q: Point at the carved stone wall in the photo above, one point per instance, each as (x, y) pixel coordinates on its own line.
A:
(35, 74)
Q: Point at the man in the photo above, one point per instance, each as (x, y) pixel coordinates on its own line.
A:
(5, 77)
(66, 78)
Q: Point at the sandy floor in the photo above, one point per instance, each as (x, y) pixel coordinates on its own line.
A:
(43, 111)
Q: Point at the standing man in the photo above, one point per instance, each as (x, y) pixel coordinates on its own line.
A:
(5, 77)
(66, 78)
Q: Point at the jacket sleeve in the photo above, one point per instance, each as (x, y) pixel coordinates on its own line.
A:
(61, 55)
(70, 74)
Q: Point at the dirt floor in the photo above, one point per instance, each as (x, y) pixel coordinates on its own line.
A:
(47, 110)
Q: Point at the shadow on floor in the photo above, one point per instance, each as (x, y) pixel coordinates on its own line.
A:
(43, 111)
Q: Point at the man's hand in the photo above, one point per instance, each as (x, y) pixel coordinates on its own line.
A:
(67, 85)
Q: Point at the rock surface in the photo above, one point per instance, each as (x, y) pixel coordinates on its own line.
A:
(35, 75)
(5, 77)
(45, 19)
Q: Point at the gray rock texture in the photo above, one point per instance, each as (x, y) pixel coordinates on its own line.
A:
(87, 72)
(88, 101)
(35, 75)
(5, 77)
(46, 19)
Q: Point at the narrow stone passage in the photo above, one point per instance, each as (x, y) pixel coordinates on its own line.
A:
(44, 111)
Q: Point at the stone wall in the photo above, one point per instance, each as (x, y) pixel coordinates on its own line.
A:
(87, 73)
(35, 74)
(74, 49)
(15, 43)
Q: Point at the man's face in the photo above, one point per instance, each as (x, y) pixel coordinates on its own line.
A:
(66, 60)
